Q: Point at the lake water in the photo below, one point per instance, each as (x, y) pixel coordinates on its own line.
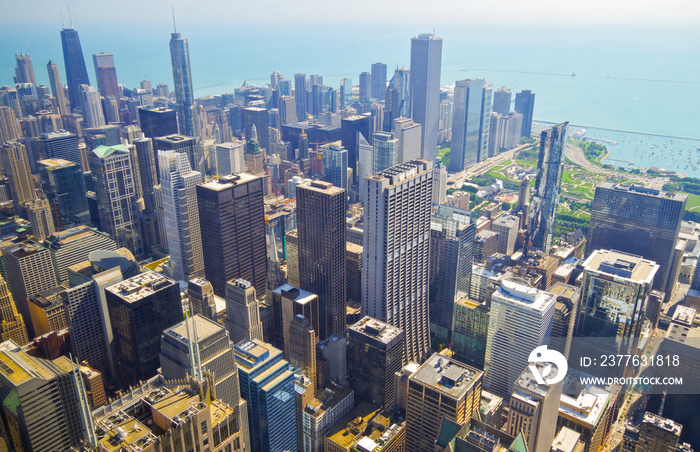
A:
(629, 78)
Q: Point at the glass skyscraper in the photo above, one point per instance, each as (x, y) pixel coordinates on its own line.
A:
(466, 125)
(182, 78)
(76, 71)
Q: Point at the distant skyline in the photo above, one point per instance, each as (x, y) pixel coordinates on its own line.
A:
(410, 12)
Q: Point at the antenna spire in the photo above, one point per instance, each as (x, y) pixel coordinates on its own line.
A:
(174, 25)
(63, 24)
(70, 18)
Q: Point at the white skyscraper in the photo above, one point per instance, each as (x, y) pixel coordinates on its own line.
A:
(426, 61)
(181, 215)
(92, 105)
(520, 321)
(396, 246)
(230, 158)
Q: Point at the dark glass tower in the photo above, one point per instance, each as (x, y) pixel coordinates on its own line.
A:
(466, 125)
(76, 71)
(545, 199)
(525, 105)
(300, 95)
(378, 80)
(184, 93)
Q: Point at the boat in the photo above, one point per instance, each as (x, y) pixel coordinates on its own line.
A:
(573, 74)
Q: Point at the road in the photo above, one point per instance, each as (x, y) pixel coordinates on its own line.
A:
(484, 167)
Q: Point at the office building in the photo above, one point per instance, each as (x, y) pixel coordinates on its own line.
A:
(145, 155)
(378, 78)
(451, 256)
(504, 132)
(157, 121)
(301, 349)
(57, 88)
(501, 100)
(374, 355)
(288, 302)
(140, 308)
(288, 110)
(534, 409)
(409, 135)
(321, 250)
(615, 288)
(106, 74)
(64, 187)
(520, 320)
(92, 106)
(61, 421)
(525, 105)
(183, 144)
(507, 227)
(426, 62)
(260, 118)
(353, 129)
(353, 264)
(47, 312)
(187, 119)
(441, 388)
(368, 427)
(202, 299)
(385, 151)
(440, 185)
(396, 98)
(216, 355)
(40, 216)
(232, 221)
(10, 128)
(335, 165)
(61, 145)
(115, 185)
(24, 72)
(656, 433)
(242, 311)
(72, 246)
(166, 415)
(470, 323)
(397, 214)
(545, 198)
(324, 411)
(12, 325)
(230, 158)
(178, 195)
(565, 314)
(29, 273)
(637, 220)
(365, 86)
(76, 71)
(267, 383)
(485, 120)
(466, 124)
(15, 162)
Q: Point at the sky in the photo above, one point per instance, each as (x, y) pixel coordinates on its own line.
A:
(426, 12)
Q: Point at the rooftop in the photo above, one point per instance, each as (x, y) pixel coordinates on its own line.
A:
(566, 440)
(230, 181)
(527, 296)
(584, 404)
(106, 151)
(55, 164)
(447, 376)
(321, 187)
(251, 353)
(140, 286)
(292, 292)
(662, 423)
(618, 263)
(399, 173)
(205, 329)
(644, 191)
(561, 289)
(377, 330)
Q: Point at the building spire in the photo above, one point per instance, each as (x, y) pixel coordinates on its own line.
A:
(174, 25)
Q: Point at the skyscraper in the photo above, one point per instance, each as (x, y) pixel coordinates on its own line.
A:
(232, 221)
(267, 383)
(184, 144)
(288, 302)
(335, 165)
(378, 80)
(178, 194)
(145, 155)
(230, 158)
(140, 308)
(396, 98)
(57, 88)
(409, 135)
(106, 76)
(396, 246)
(64, 186)
(637, 220)
(520, 321)
(16, 165)
(385, 151)
(76, 71)
(115, 185)
(187, 118)
(92, 106)
(242, 311)
(545, 199)
(501, 100)
(302, 346)
(365, 86)
(10, 128)
(157, 121)
(300, 96)
(485, 120)
(321, 230)
(525, 105)
(426, 61)
(466, 124)
(24, 72)
(351, 128)
(39, 215)
(61, 145)
(12, 325)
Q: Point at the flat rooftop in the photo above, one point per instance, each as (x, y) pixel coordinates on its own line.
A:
(561, 289)
(447, 376)
(321, 187)
(205, 329)
(618, 263)
(399, 173)
(56, 163)
(140, 286)
(662, 423)
(230, 181)
(377, 330)
(292, 292)
(523, 295)
(640, 190)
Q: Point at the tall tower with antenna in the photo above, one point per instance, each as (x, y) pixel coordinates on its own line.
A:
(182, 77)
(76, 71)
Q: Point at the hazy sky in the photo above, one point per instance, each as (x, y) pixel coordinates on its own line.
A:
(425, 12)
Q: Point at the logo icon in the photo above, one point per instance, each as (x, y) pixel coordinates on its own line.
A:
(542, 355)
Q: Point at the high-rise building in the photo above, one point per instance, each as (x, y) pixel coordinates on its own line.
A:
(466, 124)
(426, 62)
(365, 86)
(29, 273)
(385, 151)
(657, 434)
(202, 301)
(48, 313)
(40, 216)
(470, 323)
(61, 420)
(396, 99)
(545, 199)
(637, 220)
(230, 158)
(288, 302)
(92, 106)
(525, 105)
(12, 325)
(61, 145)
(140, 308)
(24, 72)
(187, 118)
(72, 246)
(335, 165)
(15, 162)
(232, 221)
(614, 292)
(451, 255)
(565, 314)
(520, 320)
(321, 231)
(288, 110)
(64, 186)
(106, 74)
(178, 194)
(485, 121)
(302, 346)
(242, 311)
(396, 246)
(378, 80)
(501, 100)
(115, 185)
(300, 96)
(183, 144)
(409, 135)
(157, 121)
(354, 128)
(374, 355)
(10, 128)
(534, 409)
(507, 227)
(76, 71)
(267, 383)
(441, 388)
(145, 155)
(57, 88)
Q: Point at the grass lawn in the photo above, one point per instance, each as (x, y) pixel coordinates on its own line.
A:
(693, 202)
